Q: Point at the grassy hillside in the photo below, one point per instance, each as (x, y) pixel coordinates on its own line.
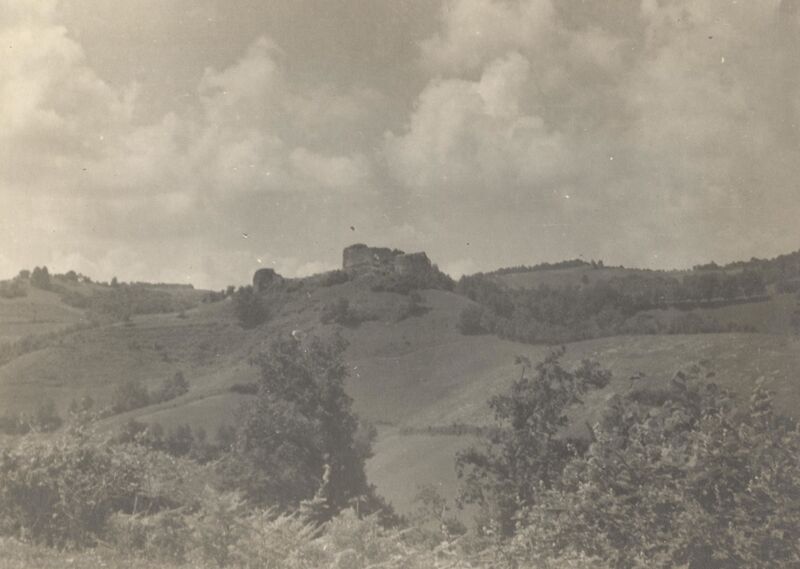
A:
(39, 312)
(406, 370)
(574, 276)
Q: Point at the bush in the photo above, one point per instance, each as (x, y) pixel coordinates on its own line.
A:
(122, 301)
(683, 476)
(414, 306)
(44, 419)
(128, 395)
(249, 307)
(526, 453)
(164, 536)
(62, 492)
(172, 387)
(13, 289)
(340, 312)
(470, 321)
(244, 388)
(432, 278)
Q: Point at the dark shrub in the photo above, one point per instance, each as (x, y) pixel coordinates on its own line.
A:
(470, 321)
(128, 395)
(62, 492)
(173, 387)
(340, 312)
(249, 307)
(13, 289)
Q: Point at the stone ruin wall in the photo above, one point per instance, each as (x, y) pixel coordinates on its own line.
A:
(412, 263)
(360, 259)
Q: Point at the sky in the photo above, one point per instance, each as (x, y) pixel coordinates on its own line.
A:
(199, 140)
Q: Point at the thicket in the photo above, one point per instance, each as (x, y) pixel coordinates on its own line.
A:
(122, 301)
(432, 278)
(250, 307)
(33, 342)
(556, 315)
(130, 394)
(44, 419)
(683, 477)
(14, 288)
(341, 312)
(412, 307)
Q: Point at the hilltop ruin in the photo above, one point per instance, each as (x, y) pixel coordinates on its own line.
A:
(359, 259)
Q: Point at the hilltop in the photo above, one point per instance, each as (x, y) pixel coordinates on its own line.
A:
(414, 373)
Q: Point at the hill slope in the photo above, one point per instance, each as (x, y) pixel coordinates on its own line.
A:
(406, 373)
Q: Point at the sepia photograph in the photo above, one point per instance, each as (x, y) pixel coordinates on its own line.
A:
(400, 284)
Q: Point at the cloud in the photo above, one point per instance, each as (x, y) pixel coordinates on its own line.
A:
(475, 32)
(82, 170)
(478, 135)
(678, 124)
(654, 132)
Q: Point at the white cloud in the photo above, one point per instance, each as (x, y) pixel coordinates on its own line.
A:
(479, 136)
(671, 125)
(475, 32)
(246, 134)
(679, 125)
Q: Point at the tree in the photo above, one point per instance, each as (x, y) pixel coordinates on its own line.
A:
(752, 283)
(684, 477)
(729, 287)
(300, 426)
(525, 454)
(40, 278)
(708, 285)
(249, 307)
(470, 321)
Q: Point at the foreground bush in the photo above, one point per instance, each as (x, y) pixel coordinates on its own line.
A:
(684, 477)
(63, 491)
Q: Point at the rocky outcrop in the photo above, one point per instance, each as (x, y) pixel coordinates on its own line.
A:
(264, 279)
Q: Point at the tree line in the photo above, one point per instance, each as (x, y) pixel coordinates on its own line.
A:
(601, 308)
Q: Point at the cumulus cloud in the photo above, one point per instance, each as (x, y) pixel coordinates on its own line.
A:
(653, 143)
(657, 132)
(248, 133)
(478, 135)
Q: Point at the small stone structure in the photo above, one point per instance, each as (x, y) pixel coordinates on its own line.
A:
(360, 260)
(264, 278)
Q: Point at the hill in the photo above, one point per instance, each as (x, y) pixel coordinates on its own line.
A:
(412, 372)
